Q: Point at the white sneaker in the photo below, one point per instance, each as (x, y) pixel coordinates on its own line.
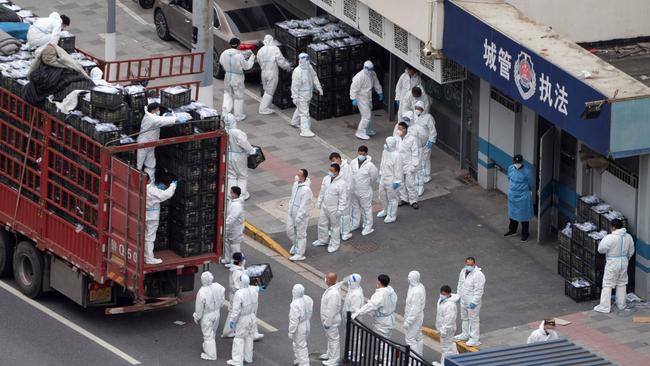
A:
(231, 362)
(420, 191)
(228, 265)
(473, 343)
(382, 213)
(331, 249)
(204, 356)
(323, 356)
(307, 133)
(317, 243)
(371, 132)
(247, 196)
(427, 179)
(367, 231)
(258, 337)
(266, 111)
(153, 261)
(362, 136)
(241, 117)
(224, 261)
(297, 257)
(345, 237)
(390, 219)
(228, 335)
(461, 337)
(292, 250)
(294, 126)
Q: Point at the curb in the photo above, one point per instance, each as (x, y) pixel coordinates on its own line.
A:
(263, 238)
(460, 345)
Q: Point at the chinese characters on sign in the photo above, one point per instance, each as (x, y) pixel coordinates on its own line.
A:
(525, 78)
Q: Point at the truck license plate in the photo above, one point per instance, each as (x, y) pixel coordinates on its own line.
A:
(100, 295)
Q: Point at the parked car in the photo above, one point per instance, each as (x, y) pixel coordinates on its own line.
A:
(247, 20)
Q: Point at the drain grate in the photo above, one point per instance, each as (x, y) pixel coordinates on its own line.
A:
(363, 246)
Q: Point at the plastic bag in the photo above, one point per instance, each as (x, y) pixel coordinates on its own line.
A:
(174, 90)
(134, 89)
(106, 127)
(590, 200)
(106, 89)
(567, 230)
(602, 208)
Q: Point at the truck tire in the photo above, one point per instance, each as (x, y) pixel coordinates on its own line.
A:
(162, 29)
(28, 269)
(146, 4)
(7, 243)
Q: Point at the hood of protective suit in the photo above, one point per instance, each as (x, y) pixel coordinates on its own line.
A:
(391, 142)
(206, 278)
(268, 40)
(298, 291)
(368, 66)
(303, 60)
(414, 278)
(244, 280)
(230, 121)
(96, 73)
(419, 104)
(408, 117)
(354, 281)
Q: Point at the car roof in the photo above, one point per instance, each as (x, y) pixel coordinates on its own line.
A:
(227, 5)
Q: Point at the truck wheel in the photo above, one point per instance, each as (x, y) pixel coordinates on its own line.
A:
(146, 4)
(7, 243)
(28, 269)
(162, 30)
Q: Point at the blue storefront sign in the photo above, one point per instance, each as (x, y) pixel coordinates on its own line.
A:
(525, 76)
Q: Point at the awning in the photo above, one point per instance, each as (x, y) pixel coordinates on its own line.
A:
(595, 102)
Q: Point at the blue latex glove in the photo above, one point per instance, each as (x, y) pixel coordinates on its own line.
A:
(161, 186)
(472, 306)
(262, 289)
(429, 145)
(395, 186)
(182, 119)
(232, 324)
(381, 97)
(354, 102)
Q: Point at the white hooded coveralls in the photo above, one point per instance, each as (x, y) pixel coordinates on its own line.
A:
(618, 248)
(45, 30)
(364, 177)
(300, 311)
(409, 152)
(391, 172)
(234, 284)
(446, 325)
(235, 218)
(238, 150)
(354, 298)
(333, 201)
(270, 59)
(407, 104)
(428, 125)
(303, 83)
(298, 215)
(361, 90)
(540, 335)
(155, 196)
(234, 64)
(382, 305)
(150, 131)
(405, 84)
(209, 300)
(330, 316)
(470, 288)
(244, 314)
(414, 312)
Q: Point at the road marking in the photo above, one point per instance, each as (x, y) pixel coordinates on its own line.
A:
(133, 15)
(260, 322)
(70, 324)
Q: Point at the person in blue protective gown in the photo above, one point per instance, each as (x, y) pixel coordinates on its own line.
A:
(520, 193)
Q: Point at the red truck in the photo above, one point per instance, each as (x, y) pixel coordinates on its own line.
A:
(50, 171)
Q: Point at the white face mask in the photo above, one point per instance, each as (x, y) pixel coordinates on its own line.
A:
(296, 178)
(418, 112)
(518, 165)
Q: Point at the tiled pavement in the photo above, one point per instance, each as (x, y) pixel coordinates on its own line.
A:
(613, 336)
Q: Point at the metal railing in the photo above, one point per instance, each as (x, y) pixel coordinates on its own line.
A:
(365, 347)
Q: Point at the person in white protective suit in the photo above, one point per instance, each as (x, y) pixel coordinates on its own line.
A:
(414, 312)
(238, 150)
(353, 301)
(150, 131)
(234, 63)
(209, 300)
(270, 59)
(382, 305)
(155, 196)
(346, 172)
(234, 225)
(425, 121)
(618, 248)
(300, 311)
(330, 316)
(446, 322)
(298, 214)
(390, 179)
(406, 82)
(471, 283)
(409, 152)
(545, 332)
(303, 82)
(361, 95)
(243, 320)
(236, 270)
(47, 30)
(332, 202)
(364, 177)
(407, 104)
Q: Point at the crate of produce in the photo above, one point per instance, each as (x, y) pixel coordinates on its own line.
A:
(282, 30)
(185, 171)
(341, 83)
(323, 71)
(207, 245)
(319, 53)
(564, 255)
(185, 234)
(578, 289)
(291, 55)
(564, 237)
(564, 269)
(592, 240)
(595, 260)
(187, 203)
(341, 69)
(206, 124)
(209, 200)
(299, 39)
(340, 50)
(596, 211)
(577, 249)
(208, 215)
(106, 132)
(283, 101)
(256, 159)
(67, 42)
(579, 231)
(106, 97)
(175, 97)
(593, 274)
(208, 230)
(577, 263)
(358, 49)
(88, 125)
(74, 120)
(210, 155)
(115, 116)
(209, 184)
(342, 109)
(260, 274)
(135, 96)
(320, 112)
(607, 217)
(162, 242)
(83, 103)
(186, 156)
(185, 218)
(186, 249)
(584, 205)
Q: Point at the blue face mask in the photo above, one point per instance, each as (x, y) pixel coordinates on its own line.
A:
(469, 268)
(386, 147)
(361, 158)
(331, 174)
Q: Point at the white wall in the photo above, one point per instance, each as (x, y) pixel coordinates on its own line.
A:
(620, 195)
(528, 135)
(411, 15)
(589, 20)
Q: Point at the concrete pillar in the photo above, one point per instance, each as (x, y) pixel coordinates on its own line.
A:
(486, 172)
(202, 41)
(642, 284)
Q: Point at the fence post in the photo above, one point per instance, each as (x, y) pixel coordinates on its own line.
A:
(407, 355)
(348, 338)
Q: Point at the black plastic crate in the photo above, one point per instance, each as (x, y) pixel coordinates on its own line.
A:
(183, 156)
(101, 99)
(256, 159)
(322, 71)
(210, 155)
(208, 184)
(577, 249)
(341, 81)
(136, 100)
(578, 235)
(590, 244)
(297, 42)
(319, 103)
(595, 260)
(577, 263)
(186, 249)
(291, 55)
(281, 32)
(175, 100)
(341, 68)
(359, 52)
(83, 103)
(207, 246)
(578, 294)
(188, 187)
(564, 254)
(594, 216)
(116, 116)
(319, 57)
(185, 234)
(208, 200)
(189, 172)
(208, 230)
(606, 223)
(564, 269)
(104, 137)
(206, 125)
(583, 208)
(320, 112)
(162, 242)
(283, 101)
(68, 44)
(262, 279)
(208, 216)
(564, 240)
(187, 202)
(339, 53)
(342, 109)
(593, 274)
(185, 218)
